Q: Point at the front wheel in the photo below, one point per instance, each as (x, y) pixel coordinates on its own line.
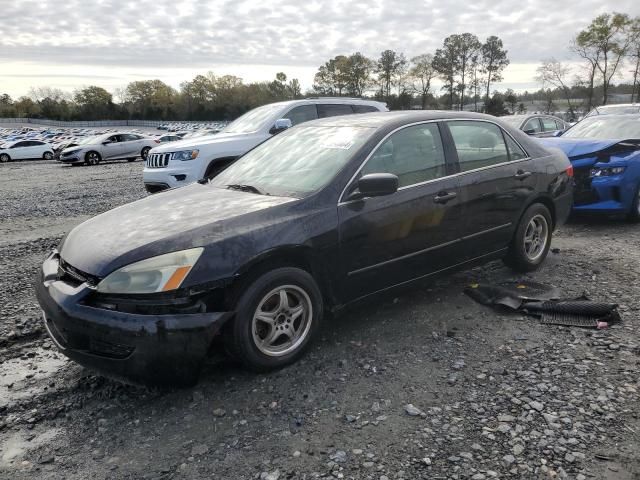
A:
(144, 153)
(92, 158)
(634, 212)
(47, 155)
(532, 240)
(4, 158)
(277, 315)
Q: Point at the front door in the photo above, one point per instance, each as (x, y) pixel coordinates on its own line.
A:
(496, 177)
(113, 149)
(387, 240)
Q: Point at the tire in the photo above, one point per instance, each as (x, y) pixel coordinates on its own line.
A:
(144, 153)
(4, 158)
(217, 166)
(92, 158)
(288, 297)
(531, 241)
(48, 155)
(131, 159)
(634, 213)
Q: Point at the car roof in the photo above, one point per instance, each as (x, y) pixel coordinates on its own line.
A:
(331, 100)
(397, 118)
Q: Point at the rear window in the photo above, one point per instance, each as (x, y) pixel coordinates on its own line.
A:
(364, 108)
(325, 110)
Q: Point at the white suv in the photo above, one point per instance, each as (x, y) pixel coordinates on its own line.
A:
(183, 162)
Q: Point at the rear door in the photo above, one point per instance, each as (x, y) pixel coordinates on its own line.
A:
(333, 110)
(496, 177)
(130, 145)
(388, 240)
(20, 150)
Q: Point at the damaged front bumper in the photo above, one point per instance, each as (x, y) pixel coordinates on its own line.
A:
(152, 348)
(608, 195)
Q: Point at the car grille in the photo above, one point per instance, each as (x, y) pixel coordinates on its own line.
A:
(583, 194)
(158, 160)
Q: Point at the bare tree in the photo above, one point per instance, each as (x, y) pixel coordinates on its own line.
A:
(553, 73)
(422, 74)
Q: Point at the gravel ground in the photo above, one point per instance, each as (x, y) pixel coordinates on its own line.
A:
(419, 384)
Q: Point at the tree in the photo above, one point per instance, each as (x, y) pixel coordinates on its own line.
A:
(592, 57)
(293, 89)
(445, 62)
(493, 61)
(94, 102)
(391, 67)
(422, 74)
(495, 105)
(331, 78)
(468, 50)
(511, 99)
(358, 74)
(634, 56)
(150, 99)
(522, 109)
(606, 41)
(552, 72)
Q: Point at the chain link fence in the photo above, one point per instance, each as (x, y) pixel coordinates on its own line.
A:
(97, 123)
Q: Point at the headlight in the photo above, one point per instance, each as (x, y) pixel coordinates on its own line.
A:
(156, 274)
(185, 155)
(606, 171)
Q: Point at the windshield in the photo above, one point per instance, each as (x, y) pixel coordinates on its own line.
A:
(253, 120)
(606, 127)
(88, 140)
(614, 110)
(296, 162)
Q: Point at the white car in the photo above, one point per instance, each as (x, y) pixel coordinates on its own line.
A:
(186, 161)
(110, 146)
(22, 149)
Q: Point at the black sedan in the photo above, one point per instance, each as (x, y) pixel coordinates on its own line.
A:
(326, 213)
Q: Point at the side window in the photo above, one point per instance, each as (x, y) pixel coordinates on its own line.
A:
(548, 124)
(364, 108)
(532, 126)
(325, 110)
(560, 125)
(20, 145)
(302, 114)
(479, 144)
(414, 154)
(113, 138)
(515, 151)
(127, 137)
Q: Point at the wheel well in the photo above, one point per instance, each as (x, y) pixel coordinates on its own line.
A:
(297, 257)
(547, 202)
(218, 164)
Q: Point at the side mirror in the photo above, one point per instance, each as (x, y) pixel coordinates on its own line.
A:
(558, 133)
(375, 185)
(281, 125)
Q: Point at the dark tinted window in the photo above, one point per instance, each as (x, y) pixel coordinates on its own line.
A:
(113, 138)
(479, 144)
(333, 110)
(302, 114)
(36, 143)
(128, 137)
(414, 154)
(20, 144)
(532, 126)
(364, 108)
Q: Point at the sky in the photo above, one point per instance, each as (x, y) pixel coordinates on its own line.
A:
(68, 44)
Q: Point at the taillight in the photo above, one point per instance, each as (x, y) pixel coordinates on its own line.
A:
(569, 171)
(157, 141)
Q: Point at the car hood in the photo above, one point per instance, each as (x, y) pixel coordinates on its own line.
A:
(578, 147)
(204, 141)
(174, 220)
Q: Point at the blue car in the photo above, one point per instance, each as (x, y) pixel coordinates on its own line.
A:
(605, 153)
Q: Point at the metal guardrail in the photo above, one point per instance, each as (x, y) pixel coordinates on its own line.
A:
(98, 123)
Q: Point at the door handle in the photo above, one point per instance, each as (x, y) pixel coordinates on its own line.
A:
(444, 197)
(521, 174)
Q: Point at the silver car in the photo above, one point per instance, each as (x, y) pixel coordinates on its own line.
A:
(110, 146)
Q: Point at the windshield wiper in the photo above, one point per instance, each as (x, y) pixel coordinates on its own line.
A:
(246, 188)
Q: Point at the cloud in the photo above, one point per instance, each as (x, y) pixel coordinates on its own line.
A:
(201, 34)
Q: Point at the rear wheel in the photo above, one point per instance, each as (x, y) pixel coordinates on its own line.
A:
(532, 239)
(47, 155)
(92, 158)
(277, 315)
(4, 158)
(145, 153)
(634, 213)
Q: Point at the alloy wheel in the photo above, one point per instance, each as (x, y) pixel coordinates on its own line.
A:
(4, 158)
(536, 237)
(282, 320)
